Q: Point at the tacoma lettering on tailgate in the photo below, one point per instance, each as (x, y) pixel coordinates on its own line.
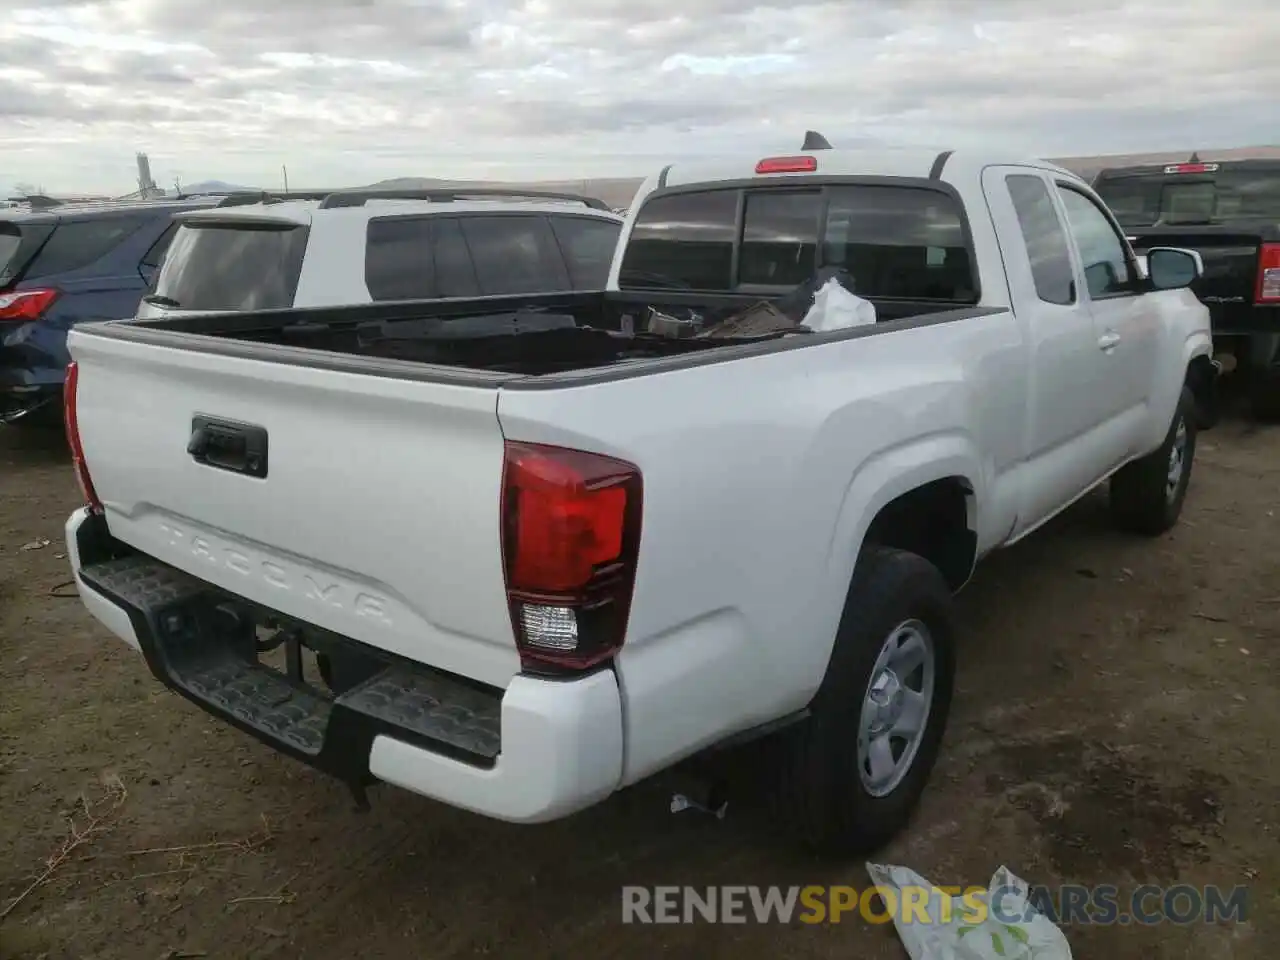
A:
(312, 586)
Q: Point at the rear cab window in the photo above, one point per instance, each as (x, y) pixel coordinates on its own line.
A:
(1203, 193)
(236, 264)
(907, 242)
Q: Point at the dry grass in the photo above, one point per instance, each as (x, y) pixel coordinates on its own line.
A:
(91, 818)
(86, 823)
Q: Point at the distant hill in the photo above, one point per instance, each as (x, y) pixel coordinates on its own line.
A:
(214, 186)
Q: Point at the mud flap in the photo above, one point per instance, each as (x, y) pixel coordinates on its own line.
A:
(1202, 379)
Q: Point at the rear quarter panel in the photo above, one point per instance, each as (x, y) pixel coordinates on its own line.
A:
(761, 476)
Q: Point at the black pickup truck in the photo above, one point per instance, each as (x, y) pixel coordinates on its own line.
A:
(1228, 211)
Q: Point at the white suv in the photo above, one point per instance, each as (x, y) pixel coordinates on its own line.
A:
(362, 246)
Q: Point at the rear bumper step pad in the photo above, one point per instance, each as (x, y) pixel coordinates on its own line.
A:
(201, 642)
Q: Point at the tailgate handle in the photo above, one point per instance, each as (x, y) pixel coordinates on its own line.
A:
(228, 445)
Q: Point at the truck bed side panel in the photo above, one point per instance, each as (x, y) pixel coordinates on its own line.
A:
(748, 538)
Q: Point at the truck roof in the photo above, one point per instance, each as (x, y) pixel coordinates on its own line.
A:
(873, 162)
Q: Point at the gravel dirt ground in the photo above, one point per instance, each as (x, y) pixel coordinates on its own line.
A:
(1115, 723)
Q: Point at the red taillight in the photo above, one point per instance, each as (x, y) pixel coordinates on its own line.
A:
(22, 305)
(787, 165)
(72, 422)
(1191, 168)
(1268, 291)
(570, 540)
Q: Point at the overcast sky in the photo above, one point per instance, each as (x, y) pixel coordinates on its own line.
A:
(351, 91)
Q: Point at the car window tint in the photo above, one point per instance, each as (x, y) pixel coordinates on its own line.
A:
(1218, 195)
(1101, 248)
(397, 259)
(232, 266)
(900, 242)
(514, 254)
(155, 256)
(1044, 238)
(10, 241)
(588, 245)
(455, 273)
(682, 240)
(78, 244)
(779, 237)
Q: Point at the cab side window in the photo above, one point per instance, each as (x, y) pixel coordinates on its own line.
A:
(1044, 238)
(1103, 256)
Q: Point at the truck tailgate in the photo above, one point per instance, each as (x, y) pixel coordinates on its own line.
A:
(378, 516)
(1230, 267)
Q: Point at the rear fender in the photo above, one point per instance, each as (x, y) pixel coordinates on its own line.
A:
(1202, 381)
(879, 481)
(889, 475)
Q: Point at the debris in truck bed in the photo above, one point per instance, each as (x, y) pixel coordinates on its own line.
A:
(835, 308)
(759, 320)
(825, 301)
(797, 303)
(665, 325)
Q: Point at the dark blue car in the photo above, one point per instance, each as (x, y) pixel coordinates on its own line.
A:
(68, 265)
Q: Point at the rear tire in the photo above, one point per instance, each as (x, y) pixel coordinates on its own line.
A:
(834, 790)
(1147, 495)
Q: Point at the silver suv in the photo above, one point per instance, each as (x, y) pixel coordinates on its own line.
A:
(363, 246)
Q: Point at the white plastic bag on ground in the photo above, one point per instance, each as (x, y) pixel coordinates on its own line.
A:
(835, 308)
(998, 924)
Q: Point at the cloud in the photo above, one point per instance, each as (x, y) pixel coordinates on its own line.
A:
(350, 91)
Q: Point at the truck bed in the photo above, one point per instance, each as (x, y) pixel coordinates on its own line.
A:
(322, 466)
(494, 339)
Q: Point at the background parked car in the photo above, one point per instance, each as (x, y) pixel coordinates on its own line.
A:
(364, 246)
(109, 261)
(63, 266)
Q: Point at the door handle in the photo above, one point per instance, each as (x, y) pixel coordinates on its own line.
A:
(1107, 342)
(227, 445)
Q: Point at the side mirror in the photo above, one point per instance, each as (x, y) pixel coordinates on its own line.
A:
(1172, 268)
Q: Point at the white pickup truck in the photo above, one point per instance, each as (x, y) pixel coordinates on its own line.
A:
(540, 553)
